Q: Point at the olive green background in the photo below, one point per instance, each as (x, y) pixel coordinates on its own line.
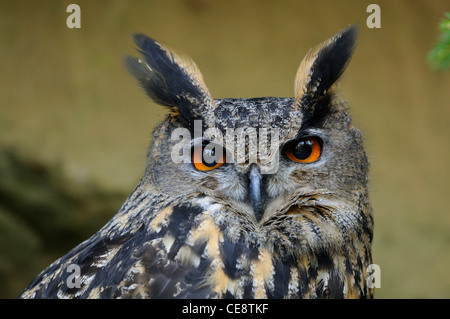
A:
(75, 127)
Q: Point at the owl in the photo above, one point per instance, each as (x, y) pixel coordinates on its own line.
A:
(241, 197)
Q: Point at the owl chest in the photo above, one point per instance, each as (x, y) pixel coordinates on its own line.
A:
(243, 270)
(224, 258)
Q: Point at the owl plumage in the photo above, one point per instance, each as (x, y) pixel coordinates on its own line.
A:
(230, 229)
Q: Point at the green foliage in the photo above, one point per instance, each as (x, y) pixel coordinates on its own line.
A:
(439, 56)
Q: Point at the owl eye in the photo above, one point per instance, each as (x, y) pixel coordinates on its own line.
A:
(204, 157)
(304, 150)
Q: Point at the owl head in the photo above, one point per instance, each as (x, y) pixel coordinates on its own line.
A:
(257, 156)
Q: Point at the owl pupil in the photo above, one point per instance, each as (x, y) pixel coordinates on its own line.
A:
(303, 149)
(209, 154)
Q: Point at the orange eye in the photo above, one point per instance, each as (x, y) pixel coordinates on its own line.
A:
(204, 158)
(305, 150)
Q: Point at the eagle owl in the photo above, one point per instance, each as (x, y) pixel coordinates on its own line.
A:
(241, 197)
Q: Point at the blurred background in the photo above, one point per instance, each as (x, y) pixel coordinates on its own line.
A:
(75, 127)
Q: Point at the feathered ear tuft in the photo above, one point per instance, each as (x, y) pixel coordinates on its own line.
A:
(323, 65)
(169, 78)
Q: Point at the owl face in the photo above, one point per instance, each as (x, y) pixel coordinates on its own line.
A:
(263, 160)
(304, 158)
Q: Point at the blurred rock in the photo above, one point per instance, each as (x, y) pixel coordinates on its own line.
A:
(43, 214)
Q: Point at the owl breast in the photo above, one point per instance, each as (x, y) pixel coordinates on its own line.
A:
(219, 252)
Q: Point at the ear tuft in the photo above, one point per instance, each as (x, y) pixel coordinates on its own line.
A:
(169, 78)
(323, 65)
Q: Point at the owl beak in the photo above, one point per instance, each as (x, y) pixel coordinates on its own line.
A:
(256, 191)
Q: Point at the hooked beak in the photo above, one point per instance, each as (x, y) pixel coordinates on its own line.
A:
(256, 191)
